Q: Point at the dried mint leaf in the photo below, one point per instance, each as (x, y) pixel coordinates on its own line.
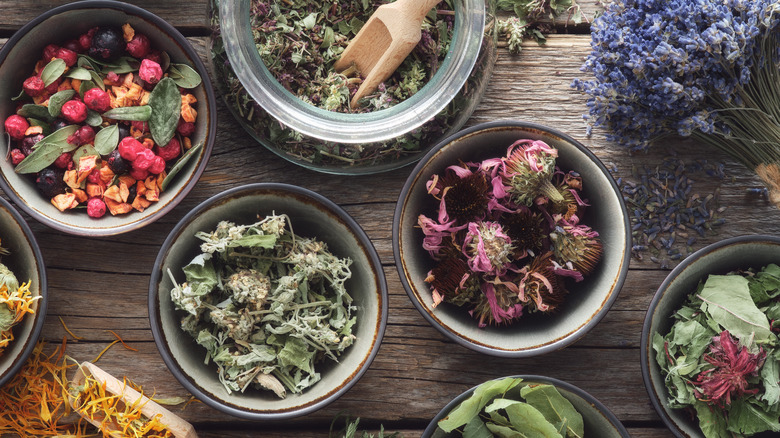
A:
(53, 70)
(184, 76)
(79, 73)
(47, 150)
(165, 102)
(35, 111)
(107, 139)
(180, 163)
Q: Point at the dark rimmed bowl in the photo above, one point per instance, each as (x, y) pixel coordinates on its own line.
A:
(742, 252)
(599, 420)
(311, 215)
(19, 55)
(587, 302)
(24, 259)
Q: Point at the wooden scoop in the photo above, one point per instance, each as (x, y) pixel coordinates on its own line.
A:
(382, 44)
(178, 427)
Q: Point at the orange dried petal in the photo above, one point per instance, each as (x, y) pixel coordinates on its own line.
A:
(81, 195)
(71, 178)
(94, 190)
(140, 203)
(128, 32)
(64, 201)
(113, 194)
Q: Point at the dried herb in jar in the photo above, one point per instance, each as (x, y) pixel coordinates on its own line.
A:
(16, 301)
(266, 304)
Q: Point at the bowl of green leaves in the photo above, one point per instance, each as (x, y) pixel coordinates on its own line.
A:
(709, 343)
(267, 301)
(517, 405)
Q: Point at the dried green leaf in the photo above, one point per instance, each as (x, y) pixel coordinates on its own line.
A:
(184, 76)
(47, 150)
(122, 65)
(727, 298)
(97, 80)
(34, 111)
(57, 100)
(141, 113)
(94, 118)
(529, 422)
(180, 163)
(79, 73)
(53, 71)
(86, 150)
(107, 139)
(473, 405)
(555, 408)
(165, 103)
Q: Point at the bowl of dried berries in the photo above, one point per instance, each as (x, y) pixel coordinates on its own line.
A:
(511, 238)
(23, 293)
(267, 301)
(109, 117)
(709, 351)
(511, 406)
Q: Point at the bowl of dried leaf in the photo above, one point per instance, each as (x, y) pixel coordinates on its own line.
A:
(23, 293)
(709, 351)
(108, 115)
(267, 301)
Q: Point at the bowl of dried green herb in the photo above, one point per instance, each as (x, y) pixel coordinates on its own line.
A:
(23, 291)
(709, 347)
(509, 405)
(273, 63)
(110, 118)
(511, 238)
(267, 301)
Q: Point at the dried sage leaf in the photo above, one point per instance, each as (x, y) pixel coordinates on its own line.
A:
(53, 71)
(97, 80)
(184, 75)
(34, 111)
(123, 65)
(93, 118)
(107, 139)
(48, 150)
(180, 164)
(57, 100)
(165, 102)
(133, 113)
(79, 73)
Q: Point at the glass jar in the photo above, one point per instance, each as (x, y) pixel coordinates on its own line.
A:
(354, 143)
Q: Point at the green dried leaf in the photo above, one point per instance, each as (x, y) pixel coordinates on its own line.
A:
(79, 73)
(57, 100)
(86, 150)
(184, 76)
(165, 103)
(180, 163)
(94, 118)
(47, 150)
(97, 80)
(122, 65)
(473, 405)
(727, 298)
(529, 422)
(34, 111)
(53, 71)
(141, 113)
(555, 408)
(107, 139)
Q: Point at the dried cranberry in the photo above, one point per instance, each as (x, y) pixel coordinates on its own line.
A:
(74, 111)
(107, 43)
(185, 129)
(144, 159)
(69, 56)
(30, 141)
(33, 86)
(97, 100)
(150, 71)
(50, 52)
(117, 164)
(94, 176)
(170, 151)
(139, 174)
(129, 147)
(139, 46)
(16, 126)
(83, 135)
(73, 45)
(158, 165)
(96, 207)
(17, 156)
(50, 182)
(64, 161)
(85, 40)
(54, 86)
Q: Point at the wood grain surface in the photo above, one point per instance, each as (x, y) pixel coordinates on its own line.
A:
(98, 285)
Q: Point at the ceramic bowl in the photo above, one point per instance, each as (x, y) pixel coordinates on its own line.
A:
(56, 25)
(311, 215)
(750, 251)
(598, 419)
(587, 302)
(24, 259)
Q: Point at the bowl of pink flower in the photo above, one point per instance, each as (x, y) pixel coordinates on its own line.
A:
(511, 239)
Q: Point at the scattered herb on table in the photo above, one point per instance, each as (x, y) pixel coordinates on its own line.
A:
(506, 233)
(529, 17)
(102, 120)
(511, 407)
(707, 69)
(266, 304)
(16, 301)
(721, 360)
(351, 430)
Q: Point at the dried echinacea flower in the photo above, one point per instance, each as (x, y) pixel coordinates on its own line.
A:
(576, 247)
(528, 171)
(487, 247)
(463, 194)
(539, 285)
(497, 305)
(527, 231)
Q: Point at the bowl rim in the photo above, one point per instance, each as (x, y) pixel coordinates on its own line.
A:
(482, 348)
(532, 378)
(155, 318)
(645, 346)
(43, 302)
(211, 127)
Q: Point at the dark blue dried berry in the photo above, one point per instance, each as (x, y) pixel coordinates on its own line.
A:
(50, 182)
(117, 164)
(59, 124)
(30, 141)
(133, 191)
(107, 44)
(124, 130)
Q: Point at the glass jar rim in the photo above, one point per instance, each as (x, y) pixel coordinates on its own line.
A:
(375, 126)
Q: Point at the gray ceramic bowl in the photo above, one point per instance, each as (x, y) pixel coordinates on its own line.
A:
(26, 262)
(19, 55)
(311, 215)
(587, 302)
(599, 420)
(741, 252)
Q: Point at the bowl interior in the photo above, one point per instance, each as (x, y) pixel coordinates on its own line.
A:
(719, 258)
(587, 300)
(598, 419)
(24, 260)
(17, 64)
(310, 218)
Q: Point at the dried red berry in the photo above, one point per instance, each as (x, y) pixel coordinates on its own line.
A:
(143, 159)
(154, 55)
(97, 100)
(50, 52)
(33, 86)
(94, 176)
(74, 111)
(140, 126)
(150, 71)
(138, 174)
(129, 148)
(85, 39)
(158, 165)
(16, 126)
(83, 135)
(54, 86)
(64, 161)
(185, 129)
(73, 45)
(96, 207)
(170, 151)
(17, 156)
(113, 78)
(139, 46)
(69, 56)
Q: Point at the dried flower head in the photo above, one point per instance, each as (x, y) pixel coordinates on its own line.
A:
(540, 286)
(527, 231)
(576, 247)
(448, 278)
(528, 171)
(497, 305)
(464, 194)
(487, 247)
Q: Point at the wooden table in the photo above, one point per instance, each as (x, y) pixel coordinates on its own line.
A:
(101, 284)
